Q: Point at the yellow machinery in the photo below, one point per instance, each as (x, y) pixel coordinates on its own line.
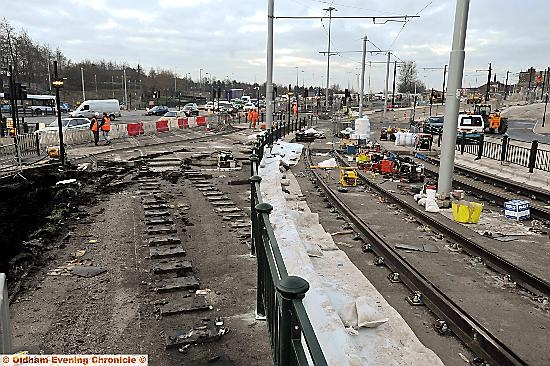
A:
(362, 159)
(473, 98)
(494, 122)
(348, 177)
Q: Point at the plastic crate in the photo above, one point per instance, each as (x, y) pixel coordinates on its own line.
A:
(517, 210)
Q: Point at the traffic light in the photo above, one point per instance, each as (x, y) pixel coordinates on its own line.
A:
(21, 92)
(219, 93)
(154, 95)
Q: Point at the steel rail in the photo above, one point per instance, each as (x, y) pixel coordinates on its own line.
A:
(537, 209)
(525, 279)
(466, 328)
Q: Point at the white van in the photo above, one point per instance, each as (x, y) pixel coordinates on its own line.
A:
(90, 107)
(471, 124)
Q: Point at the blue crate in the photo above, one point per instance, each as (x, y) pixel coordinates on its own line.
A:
(517, 210)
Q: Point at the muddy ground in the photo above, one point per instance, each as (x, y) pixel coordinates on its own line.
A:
(118, 311)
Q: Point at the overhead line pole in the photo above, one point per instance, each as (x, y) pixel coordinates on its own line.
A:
(393, 89)
(386, 87)
(269, 82)
(362, 88)
(456, 70)
(329, 9)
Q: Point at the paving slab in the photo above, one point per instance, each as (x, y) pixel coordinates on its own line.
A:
(228, 209)
(166, 251)
(155, 230)
(172, 266)
(151, 213)
(163, 240)
(185, 305)
(217, 198)
(177, 283)
(159, 220)
(222, 203)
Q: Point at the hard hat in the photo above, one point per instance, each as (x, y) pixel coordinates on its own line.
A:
(96, 114)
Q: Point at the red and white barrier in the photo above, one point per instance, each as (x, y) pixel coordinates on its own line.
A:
(162, 125)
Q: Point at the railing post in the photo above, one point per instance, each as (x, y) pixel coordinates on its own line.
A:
(504, 148)
(5, 325)
(533, 155)
(261, 259)
(253, 162)
(462, 143)
(289, 288)
(480, 147)
(255, 179)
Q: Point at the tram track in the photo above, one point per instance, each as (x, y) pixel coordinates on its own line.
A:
(467, 329)
(496, 189)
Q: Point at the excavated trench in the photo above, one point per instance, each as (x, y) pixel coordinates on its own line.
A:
(35, 213)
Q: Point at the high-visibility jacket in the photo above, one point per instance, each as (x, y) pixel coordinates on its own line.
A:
(94, 125)
(106, 124)
(250, 114)
(254, 116)
(295, 109)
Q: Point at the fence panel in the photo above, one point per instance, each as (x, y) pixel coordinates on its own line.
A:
(279, 296)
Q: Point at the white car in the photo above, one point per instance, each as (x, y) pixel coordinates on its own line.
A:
(209, 106)
(68, 124)
(248, 106)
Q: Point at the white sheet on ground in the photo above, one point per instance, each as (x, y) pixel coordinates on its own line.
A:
(288, 151)
(329, 163)
(334, 282)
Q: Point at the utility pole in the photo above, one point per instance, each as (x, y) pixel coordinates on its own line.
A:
(330, 10)
(49, 76)
(443, 89)
(95, 81)
(200, 81)
(269, 82)
(506, 85)
(113, 85)
(488, 85)
(456, 70)
(362, 88)
(125, 92)
(370, 70)
(393, 90)
(82, 77)
(386, 88)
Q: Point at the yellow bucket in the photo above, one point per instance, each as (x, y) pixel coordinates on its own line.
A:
(467, 212)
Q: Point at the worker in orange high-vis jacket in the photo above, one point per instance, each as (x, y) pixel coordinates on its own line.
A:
(94, 126)
(254, 117)
(105, 128)
(295, 109)
(249, 115)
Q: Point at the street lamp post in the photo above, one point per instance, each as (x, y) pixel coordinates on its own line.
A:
(58, 84)
(82, 78)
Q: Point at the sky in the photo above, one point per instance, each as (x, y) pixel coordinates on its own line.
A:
(227, 39)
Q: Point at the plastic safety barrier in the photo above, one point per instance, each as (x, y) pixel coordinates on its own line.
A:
(135, 129)
(201, 120)
(162, 126)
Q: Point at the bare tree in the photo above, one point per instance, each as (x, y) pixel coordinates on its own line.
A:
(408, 79)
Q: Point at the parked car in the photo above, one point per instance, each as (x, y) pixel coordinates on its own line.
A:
(248, 106)
(226, 107)
(68, 124)
(433, 125)
(191, 109)
(158, 110)
(172, 115)
(209, 106)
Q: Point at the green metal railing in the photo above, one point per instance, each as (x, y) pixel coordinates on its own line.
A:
(279, 296)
